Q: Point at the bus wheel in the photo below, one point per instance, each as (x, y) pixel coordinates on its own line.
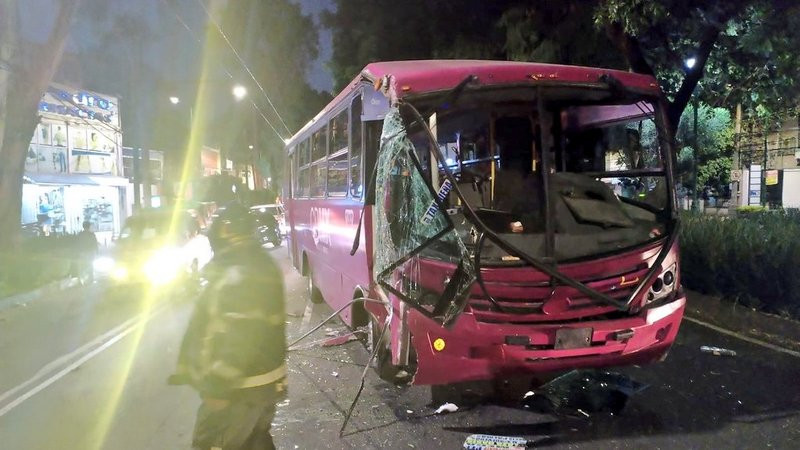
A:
(313, 291)
(382, 362)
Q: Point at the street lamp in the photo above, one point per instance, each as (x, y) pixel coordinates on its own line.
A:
(690, 62)
(239, 92)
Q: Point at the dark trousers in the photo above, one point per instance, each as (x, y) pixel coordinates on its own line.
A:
(243, 424)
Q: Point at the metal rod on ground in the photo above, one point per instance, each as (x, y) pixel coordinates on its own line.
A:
(329, 318)
(369, 361)
(364, 375)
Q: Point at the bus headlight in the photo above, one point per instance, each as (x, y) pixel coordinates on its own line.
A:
(664, 285)
(164, 266)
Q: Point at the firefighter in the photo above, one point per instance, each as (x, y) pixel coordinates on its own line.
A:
(234, 350)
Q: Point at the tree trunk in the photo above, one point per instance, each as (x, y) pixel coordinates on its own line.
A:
(29, 78)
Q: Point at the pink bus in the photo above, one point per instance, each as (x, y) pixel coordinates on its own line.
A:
(504, 219)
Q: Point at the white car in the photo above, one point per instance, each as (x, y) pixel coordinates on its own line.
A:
(157, 247)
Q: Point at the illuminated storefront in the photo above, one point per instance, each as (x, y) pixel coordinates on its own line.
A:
(72, 170)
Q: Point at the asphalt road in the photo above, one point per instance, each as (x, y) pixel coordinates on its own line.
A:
(83, 369)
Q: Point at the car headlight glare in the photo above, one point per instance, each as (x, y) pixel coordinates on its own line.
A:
(164, 266)
(103, 264)
(119, 273)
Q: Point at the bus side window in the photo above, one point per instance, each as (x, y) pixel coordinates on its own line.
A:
(302, 184)
(356, 182)
(291, 169)
(337, 160)
(319, 166)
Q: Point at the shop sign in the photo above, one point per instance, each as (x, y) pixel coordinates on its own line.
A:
(80, 104)
(771, 177)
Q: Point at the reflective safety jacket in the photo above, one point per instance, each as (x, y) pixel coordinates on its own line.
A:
(236, 336)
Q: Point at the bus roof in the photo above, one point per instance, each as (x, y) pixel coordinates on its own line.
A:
(421, 76)
(416, 77)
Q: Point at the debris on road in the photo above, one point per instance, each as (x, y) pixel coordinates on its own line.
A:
(583, 392)
(335, 374)
(447, 407)
(717, 351)
(339, 340)
(488, 441)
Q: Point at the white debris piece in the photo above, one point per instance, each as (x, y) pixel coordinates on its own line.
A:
(447, 407)
(528, 394)
(335, 374)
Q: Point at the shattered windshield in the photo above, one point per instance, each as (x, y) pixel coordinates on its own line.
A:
(413, 232)
(601, 162)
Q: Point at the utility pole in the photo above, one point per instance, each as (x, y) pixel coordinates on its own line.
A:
(137, 167)
(695, 158)
(764, 169)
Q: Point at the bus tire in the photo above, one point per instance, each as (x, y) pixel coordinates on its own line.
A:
(382, 362)
(313, 291)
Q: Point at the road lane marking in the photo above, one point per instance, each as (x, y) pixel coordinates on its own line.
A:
(60, 374)
(749, 339)
(58, 362)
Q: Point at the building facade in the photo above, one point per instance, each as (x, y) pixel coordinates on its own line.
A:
(766, 165)
(73, 165)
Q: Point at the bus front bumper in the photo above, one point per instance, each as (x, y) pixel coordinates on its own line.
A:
(471, 350)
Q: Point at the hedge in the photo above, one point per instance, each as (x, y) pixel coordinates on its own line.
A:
(752, 258)
(36, 262)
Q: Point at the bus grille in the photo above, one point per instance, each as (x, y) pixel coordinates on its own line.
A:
(526, 302)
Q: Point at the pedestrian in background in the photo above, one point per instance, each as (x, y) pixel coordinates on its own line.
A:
(234, 350)
(87, 251)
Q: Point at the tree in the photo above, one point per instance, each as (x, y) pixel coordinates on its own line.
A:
(744, 51)
(557, 31)
(30, 70)
(747, 48)
(715, 135)
(277, 44)
(383, 30)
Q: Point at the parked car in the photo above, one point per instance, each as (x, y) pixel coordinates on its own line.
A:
(159, 247)
(269, 223)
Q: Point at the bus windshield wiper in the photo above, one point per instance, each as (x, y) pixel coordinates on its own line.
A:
(455, 93)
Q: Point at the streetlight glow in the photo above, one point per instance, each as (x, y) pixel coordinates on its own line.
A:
(239, 91)
(690, 62)
(174, 100)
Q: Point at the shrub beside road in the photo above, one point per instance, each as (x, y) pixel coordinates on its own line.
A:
(752, 258)
(37, 262)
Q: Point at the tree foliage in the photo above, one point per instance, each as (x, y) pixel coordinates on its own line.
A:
(277, 44)
(715, 140)
(745, 51)
(384, 30)
(28, 71)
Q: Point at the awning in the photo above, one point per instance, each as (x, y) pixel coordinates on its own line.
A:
(78, 179)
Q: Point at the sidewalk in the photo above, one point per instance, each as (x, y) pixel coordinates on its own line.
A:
(25, 297)
(743, 320)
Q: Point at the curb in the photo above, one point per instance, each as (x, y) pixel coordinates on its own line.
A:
(775, 330)
(25, 297)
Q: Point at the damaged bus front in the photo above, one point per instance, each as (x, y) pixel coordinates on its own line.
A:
(524, 220)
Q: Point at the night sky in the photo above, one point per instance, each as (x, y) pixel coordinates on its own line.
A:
(37, 18)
